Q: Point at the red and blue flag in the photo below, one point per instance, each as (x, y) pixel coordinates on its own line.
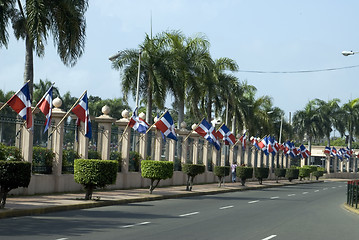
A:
(21, 103)
(82, 112)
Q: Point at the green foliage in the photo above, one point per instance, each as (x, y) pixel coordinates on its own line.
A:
(10, 153)
(134, 161)
(193, 170)
(156, 171)
(292, 173)
(117, 156)
(261, 173)
(42, 157)
(304, 172)
(317, 174)
(279, 172)
(244, 173)
(94, 173)
(312, 168)
(92, 154)
(69, 156)
(13, 174)
(221, 171)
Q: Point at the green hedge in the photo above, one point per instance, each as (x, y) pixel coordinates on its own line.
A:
(221, 172)
(244, 173)
(13, 174)
(117, 156)
(304, 172)
(261, 173)
(292, 173)
(318, 174)
(10, 153)
(192, 170)
(94, 173)
(156, 171)
(279, 172)
(92, 154)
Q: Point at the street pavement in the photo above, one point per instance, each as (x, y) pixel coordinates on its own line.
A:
(38, 204)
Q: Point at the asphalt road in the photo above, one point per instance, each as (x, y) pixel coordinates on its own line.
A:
(309, 211)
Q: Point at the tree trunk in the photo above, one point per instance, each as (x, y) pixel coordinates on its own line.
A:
(153, 186)
(188, 183)
(149, 102)
(310, 149)
(89, 191)
(3, 195)
(29, 65)
(180, 113)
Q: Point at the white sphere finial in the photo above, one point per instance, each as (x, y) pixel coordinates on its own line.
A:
(105, 110)
(183, 125)
(142, 115)
(125, 113)
(57, 102)
(193, 126)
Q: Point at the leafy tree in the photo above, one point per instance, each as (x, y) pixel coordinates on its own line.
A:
(34, 20)
(351, 119)
(41, 88)
(192, 170)
(156, 171)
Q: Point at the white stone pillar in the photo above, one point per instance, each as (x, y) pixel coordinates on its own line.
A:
(126, 137)
(158, 145)
(104, 124)
(205, 155)
(57, 137)
(195, 137)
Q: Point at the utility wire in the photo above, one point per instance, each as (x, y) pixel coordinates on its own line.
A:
(301, 71)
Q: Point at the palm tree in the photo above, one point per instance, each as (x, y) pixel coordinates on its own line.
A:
(188, 61)
(351, 116)
(308, 122)
(41, 88)
(33, 21)
(331, 115)
(154, 72)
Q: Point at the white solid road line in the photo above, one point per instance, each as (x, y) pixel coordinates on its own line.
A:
(270, 237)
(291, 195)
(188, 214)
(274, 197)
(226, 207)
(255, 201)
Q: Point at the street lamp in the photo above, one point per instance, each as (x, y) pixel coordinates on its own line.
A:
(347, 53)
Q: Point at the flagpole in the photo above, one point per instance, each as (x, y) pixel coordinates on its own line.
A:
(37, 105)
(123, 133)
(156, 122)
(68, 112)
(192, 130)
(5, 104)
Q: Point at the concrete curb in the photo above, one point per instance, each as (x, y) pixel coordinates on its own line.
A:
(350, 208)
(7, 213)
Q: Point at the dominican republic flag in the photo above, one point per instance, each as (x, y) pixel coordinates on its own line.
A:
(166, 126)
(348, 153)
(45, 105)
(243, 140)
(327, 150)
(254, 141)
(304, 152)
(340, 154)
(333, 152)
(226, 135)
(273, 146)
(208, 132)
(82, 112)
(21, 103)
(264, 145)
(137, 123)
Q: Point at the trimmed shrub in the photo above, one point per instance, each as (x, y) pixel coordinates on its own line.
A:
(156, 171)
(244, 173)
(261, 173)
(319, 173)
(42, 159)
(192, 170)
(221, 172)
(292, 173)
(13, 174)
(279, 172)
(304, 172)
(312, 168)
(94, 173)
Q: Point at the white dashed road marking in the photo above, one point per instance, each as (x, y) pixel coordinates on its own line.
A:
(270, 237)
(188, 214)
(255, 201)
(316, 191)
(291, 195)
(274, 197)
(226, 207)
(305, 192)
(133, 225)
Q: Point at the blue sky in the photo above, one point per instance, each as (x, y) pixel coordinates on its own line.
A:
(264, 35)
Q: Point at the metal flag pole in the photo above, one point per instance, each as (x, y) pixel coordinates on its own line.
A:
(37, 105)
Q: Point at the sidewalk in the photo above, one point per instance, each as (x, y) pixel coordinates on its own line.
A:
(38, 204)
